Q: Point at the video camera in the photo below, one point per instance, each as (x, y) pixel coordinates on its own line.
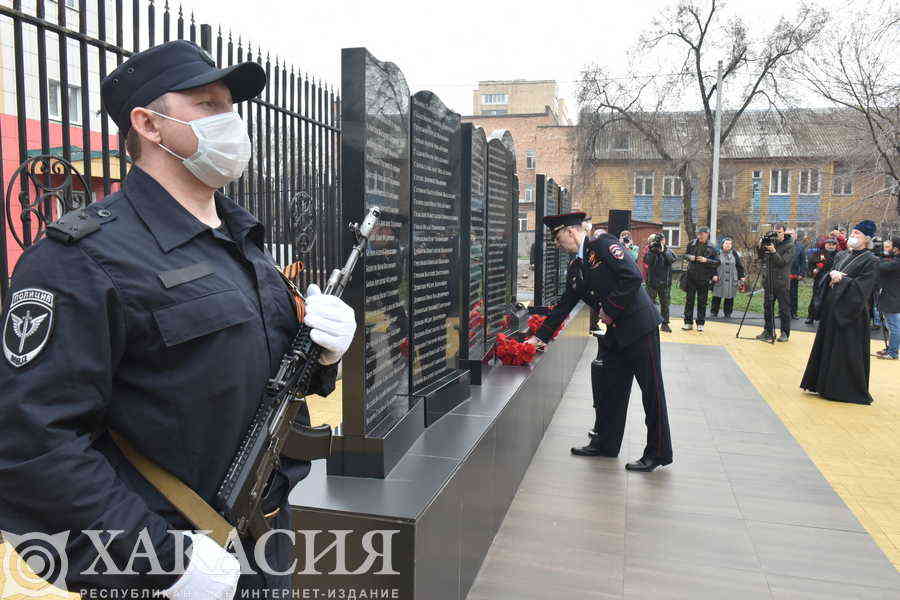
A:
(770, 238)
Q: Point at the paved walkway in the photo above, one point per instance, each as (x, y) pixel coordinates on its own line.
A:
(742, 513)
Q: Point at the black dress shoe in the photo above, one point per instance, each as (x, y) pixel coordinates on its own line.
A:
(645, 464)
(591, 451)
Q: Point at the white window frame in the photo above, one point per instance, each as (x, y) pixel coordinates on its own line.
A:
(497, 98)
(842, 182)
(673, 235)
(810, 180)
(529, 192)
(644, 176)
(523, 223)
(779, 179)
(54, 93)
(671, 183)
(757, 174)
(726, 183)
(530, 160)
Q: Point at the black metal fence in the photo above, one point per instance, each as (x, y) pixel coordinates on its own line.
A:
(63, 48)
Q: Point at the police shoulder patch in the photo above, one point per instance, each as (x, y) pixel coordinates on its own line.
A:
(617, 251)
(28, 325)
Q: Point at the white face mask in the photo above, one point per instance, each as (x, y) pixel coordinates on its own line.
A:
(223, 148)
(854, 242)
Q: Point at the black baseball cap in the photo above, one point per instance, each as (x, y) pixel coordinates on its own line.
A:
(172, 67)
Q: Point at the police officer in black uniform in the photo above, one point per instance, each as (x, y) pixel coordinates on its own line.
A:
(159, 314)
(605, 277)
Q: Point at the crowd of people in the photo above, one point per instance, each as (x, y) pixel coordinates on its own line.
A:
(854, 281)
(714, 274)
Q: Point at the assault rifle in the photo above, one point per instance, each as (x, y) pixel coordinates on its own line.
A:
(273, 431)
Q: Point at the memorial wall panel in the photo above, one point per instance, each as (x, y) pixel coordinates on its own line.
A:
(473, 237)
(498, 295)
(547, 278)
(376, 173)
(563, 258)
(436, 268)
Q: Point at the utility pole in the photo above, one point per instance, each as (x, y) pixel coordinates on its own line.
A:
(714, 202)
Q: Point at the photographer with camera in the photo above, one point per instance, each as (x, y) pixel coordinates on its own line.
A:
(633, 249)
(776, 251)
(659, 259)
(703, 264)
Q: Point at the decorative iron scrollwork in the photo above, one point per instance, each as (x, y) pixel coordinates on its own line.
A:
(39, 192)
(303, 222)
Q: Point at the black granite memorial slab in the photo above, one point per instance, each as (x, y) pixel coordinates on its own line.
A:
(564, 258)
(499, 293)
(437, 272)
(380, 418)
(473, 351)
(546, 284)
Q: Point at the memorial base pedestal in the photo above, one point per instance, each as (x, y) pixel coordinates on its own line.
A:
(424, 530)
(478, 369)
(444, 395)
(374, 455)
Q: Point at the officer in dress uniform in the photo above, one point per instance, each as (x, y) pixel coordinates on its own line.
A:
(159, 314)
(606, 278)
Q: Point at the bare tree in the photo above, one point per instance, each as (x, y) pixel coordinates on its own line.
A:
(700, 34)
(855, 67)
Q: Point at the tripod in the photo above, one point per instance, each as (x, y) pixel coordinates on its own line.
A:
(768, 285)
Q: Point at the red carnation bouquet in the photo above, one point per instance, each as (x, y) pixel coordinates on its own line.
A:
(535, 322)
(514, 353)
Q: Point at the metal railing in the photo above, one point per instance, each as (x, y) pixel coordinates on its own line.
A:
(294, 124)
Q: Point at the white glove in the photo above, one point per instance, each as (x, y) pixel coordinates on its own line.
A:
(212, 572)
(333, 324)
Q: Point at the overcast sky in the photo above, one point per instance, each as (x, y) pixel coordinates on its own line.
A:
(449, 46)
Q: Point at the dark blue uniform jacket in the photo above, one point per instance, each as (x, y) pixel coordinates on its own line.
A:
(608, 278)
(162, 329)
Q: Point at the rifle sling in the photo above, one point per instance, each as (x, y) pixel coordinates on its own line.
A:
(191, 506)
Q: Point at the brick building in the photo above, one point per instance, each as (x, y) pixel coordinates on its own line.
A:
(543, 134)
(810, 169)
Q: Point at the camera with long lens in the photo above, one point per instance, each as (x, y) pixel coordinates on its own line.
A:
(656, 241)
(770, 238)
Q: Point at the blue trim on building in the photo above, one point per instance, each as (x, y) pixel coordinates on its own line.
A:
(671, 208)
(779, 208)
(643, 208)
(808, 207)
